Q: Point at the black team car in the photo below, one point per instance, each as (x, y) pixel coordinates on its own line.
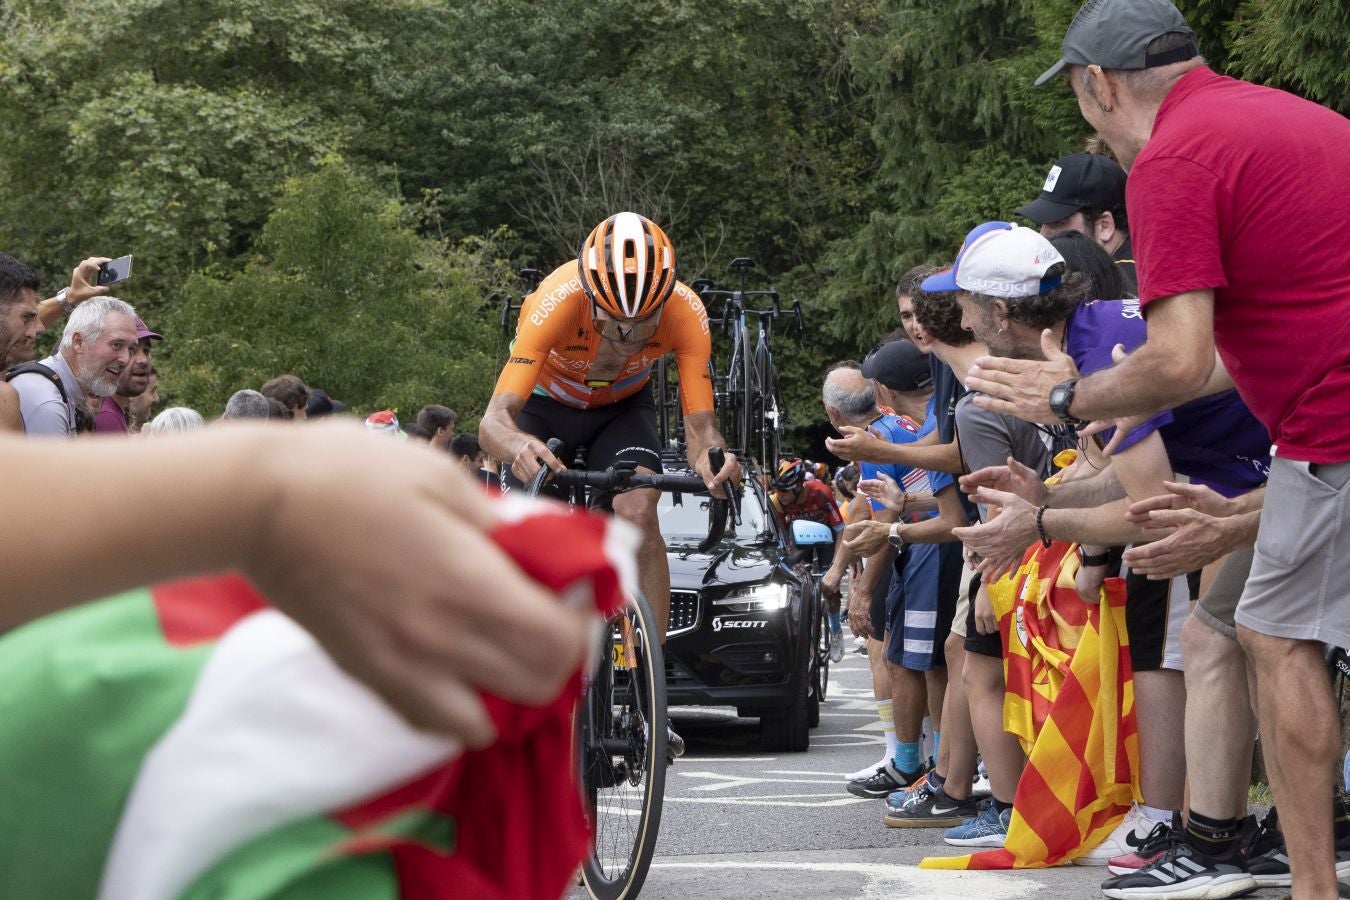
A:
(745, 622)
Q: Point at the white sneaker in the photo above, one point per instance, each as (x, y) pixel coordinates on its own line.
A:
(867, 771)
(1127, 837)
(979, 787)
(836, 646)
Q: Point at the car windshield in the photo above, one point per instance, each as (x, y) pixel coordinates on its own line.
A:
(690, 517)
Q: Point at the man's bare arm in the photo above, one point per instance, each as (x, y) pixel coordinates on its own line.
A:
(1171, 367)
(502, 439)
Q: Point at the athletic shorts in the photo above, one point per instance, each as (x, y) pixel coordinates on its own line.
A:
(620, 431)
(1154, 614)
(963, 601)
(1299, 587)
(877, 610)
(915, 608)
(983, 644)
(1217, 607)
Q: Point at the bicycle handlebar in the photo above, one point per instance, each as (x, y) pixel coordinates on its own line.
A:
(623, 477)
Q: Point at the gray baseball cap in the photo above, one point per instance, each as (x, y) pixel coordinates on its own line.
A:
(1114, 34)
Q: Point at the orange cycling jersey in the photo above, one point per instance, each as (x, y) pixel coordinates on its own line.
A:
(558, 353)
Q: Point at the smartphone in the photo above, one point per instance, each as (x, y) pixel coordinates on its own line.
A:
(114, 271)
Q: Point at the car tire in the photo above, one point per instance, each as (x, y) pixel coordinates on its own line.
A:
(790, 732)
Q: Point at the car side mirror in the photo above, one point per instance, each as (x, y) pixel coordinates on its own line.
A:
(806, 533)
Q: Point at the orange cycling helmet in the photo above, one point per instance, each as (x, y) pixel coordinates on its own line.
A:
(627, 266)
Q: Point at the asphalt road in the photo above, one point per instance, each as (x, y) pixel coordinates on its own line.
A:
(740, 823)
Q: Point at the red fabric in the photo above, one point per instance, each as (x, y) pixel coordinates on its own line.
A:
(1244, 190)
(514, 837)
(200, 610)
(817, 505)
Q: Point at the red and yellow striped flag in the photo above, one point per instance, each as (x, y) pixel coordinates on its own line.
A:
(1070, 699)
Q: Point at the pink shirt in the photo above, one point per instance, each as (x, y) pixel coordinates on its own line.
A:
(1245, 190)
(110, 418)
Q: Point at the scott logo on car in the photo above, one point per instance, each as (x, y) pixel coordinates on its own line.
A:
(720, 623)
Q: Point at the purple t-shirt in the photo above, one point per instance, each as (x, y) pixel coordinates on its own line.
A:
(1212, 440)
(110, 418)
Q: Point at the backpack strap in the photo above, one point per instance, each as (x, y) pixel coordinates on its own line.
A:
(37, 368)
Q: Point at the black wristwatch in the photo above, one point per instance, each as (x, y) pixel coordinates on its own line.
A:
(1061, 398)
(1093, 559)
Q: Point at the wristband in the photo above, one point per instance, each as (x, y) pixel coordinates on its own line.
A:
(1093, 559)
(1040, 525)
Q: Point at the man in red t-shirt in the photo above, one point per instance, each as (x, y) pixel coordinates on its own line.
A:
(1239, 198)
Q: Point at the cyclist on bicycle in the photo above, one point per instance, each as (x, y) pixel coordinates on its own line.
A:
(795, 497)
(579, 366)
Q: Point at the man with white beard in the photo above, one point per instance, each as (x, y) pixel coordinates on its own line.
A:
(95, 347)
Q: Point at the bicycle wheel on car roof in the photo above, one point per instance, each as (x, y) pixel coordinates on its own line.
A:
(621, 749)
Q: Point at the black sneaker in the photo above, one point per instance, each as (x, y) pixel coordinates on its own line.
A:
(1183, 871)
(1267, 858)
(927, 808)
(674, 745)
(884, 780)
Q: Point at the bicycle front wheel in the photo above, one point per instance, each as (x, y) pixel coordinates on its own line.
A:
(621, 747)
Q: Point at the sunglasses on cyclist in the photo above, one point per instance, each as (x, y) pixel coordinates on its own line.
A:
(625, 331)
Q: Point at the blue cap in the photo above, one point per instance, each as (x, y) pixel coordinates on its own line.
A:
(1002, 260)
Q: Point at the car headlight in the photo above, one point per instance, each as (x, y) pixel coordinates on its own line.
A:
(756, 599)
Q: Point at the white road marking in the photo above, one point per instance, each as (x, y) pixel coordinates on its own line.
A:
(735, 781)
(895, 882)
(759, 801)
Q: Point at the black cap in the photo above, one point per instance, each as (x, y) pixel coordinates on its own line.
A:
(1077, 181)
(320, 404)
(1115, 34)
(900, 366)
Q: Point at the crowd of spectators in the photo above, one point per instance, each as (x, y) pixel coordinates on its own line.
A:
(101, 379)
(1076, 395)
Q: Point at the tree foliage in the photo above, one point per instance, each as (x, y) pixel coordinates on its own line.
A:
(837, 142)
(344, 293)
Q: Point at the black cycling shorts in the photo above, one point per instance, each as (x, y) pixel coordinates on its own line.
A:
(983, 644)
(620, 431)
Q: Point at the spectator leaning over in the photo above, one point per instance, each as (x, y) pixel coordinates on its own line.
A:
(1086, 192)
(974, 650)
(112, 417)
(20, 326)
(291, 393)
(95, 348)
(936, 448)
(439, 422)
(1239, 200)
(1017, 296)
(247, 404)
(919, 602)
(175, 420)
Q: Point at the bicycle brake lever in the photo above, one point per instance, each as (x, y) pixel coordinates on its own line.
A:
(717, 458)
(555, 446)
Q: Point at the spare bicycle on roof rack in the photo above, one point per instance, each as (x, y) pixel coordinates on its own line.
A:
(749, 406)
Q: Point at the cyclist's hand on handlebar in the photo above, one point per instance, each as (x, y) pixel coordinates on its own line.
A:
(529, 457)
(730, 471)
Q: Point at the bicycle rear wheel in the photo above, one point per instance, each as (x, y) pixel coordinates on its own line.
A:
(621, 748)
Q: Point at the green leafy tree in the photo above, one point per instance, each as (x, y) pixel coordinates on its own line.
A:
(343, 293)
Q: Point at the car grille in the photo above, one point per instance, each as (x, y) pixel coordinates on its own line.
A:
(684, 612)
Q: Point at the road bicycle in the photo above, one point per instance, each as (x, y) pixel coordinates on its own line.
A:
(620, 722)
(748, 400)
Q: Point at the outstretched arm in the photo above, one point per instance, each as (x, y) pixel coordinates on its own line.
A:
(377, 547)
